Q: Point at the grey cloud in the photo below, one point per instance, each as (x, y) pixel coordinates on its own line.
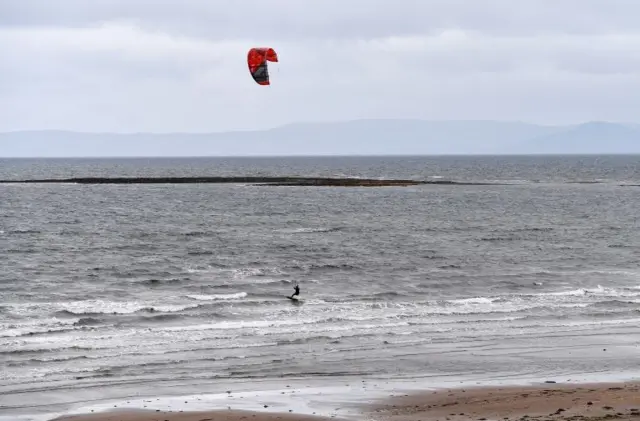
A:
(277, 19)
(180, 65)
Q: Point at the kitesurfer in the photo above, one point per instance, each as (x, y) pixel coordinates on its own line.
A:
(297, 289)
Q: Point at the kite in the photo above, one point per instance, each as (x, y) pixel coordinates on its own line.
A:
(257, 60)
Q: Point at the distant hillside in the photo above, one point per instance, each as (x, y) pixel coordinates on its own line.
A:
(589, 138)
(360, 137)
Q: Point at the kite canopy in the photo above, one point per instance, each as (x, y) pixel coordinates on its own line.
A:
(257, 60)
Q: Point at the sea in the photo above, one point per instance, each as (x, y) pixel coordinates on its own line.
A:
(140, 290)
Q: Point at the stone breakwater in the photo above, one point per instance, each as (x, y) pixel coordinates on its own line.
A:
(263, 181)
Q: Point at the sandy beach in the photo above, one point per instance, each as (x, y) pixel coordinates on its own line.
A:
(545, 402)
(542, 402)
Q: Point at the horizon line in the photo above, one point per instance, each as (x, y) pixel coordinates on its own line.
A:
(472, 155)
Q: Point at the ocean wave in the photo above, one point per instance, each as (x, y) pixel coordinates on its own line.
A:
(199, 234)
(54, 359)
(37, 327)
(631, 274)
(156, 282)
(596, 291)
(23, 231)
(43, 369)
(88, 321)
(319, 267)
(20, 350)
(236, 284)
(357, 298)
(309, 339)
(618, 304)
(591, 323)
(508, 303)
(125, 307)
(474, 300)
(314, 230)
(218, 297)
(95, 307)
(534, 229)
(210, 268)
(503, 238)
(159, 318)
(261, 324)
(200, 253)
(231, 325)
(250, 272)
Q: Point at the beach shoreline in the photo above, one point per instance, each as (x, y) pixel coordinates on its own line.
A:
(543, 401)
(214, 415)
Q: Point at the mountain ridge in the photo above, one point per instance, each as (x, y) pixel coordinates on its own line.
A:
(350, 137)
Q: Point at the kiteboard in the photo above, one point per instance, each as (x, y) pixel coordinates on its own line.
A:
(295, 300)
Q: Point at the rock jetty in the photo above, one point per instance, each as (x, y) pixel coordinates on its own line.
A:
(262, 181)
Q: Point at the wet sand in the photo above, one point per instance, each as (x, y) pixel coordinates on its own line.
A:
(218, 415)
(547, 402)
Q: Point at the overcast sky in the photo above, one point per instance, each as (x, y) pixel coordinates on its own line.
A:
(180, 65)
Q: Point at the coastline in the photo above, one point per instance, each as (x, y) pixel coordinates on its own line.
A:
(541, 401)
(215, 415)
